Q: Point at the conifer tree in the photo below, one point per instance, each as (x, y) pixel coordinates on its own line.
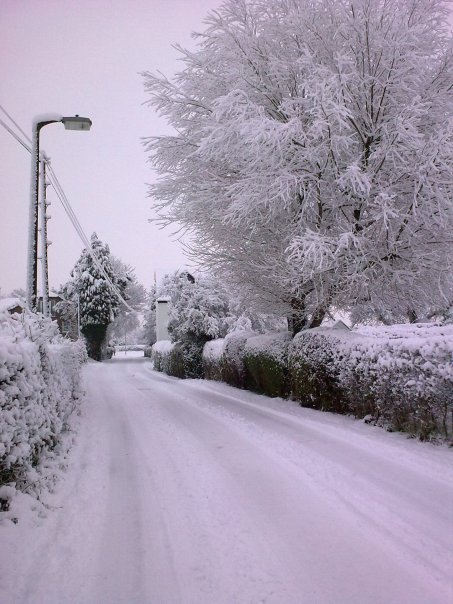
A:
(96, 300)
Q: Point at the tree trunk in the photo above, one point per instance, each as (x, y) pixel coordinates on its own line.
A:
(412, 316)
(297, 319)
(96, 340)
(317, 317)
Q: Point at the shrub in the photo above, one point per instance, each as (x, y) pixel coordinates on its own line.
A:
(179, 359)
(39, 391)
(233, 367)
(314, 358)
(212, 359)
(190, 355)
(402, 377)
(265, 359)
(160, 354)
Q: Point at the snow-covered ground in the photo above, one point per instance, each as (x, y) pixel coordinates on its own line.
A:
(191, 492)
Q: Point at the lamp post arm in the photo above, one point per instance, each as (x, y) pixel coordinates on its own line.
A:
(45, 118)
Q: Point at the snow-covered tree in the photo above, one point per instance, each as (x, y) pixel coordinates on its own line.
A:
(204, 308)
(148, 331)
(127, 322)
(312, 153)
(89, 289)
(199, 309)
(19, 292)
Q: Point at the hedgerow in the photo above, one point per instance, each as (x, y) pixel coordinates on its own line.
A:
(39, 392)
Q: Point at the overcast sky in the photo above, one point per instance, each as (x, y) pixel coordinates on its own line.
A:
(84, 58)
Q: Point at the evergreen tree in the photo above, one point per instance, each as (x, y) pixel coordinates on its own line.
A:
(90, 290)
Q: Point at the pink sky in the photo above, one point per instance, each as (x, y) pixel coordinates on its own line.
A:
(85, 57)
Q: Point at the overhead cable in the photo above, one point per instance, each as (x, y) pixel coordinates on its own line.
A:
(68, 209)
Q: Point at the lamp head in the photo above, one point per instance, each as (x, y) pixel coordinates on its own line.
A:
(77, 123)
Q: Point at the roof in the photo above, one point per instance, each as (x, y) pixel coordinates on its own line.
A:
(8, 304)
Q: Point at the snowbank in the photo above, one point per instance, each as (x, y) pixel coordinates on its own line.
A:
(39, 391)
(160, 355)
(212, 359)
(233, 366)
(265, 359)
(399, 376)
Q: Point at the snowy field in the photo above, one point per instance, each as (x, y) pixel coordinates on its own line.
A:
(191, 492)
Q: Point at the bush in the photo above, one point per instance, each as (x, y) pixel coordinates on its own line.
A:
(160, 354)
(398, 378)
(233, 367)
(39, 391)
(190, 355)
(314, 361)
(265, 359)
(179, 359)
(212, 359)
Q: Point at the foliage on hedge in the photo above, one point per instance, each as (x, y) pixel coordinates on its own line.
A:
(179, 359)
(39, 391)
(404, 381)
(160, 355)
(265, 359)
(212, 359)
(400, 377)
(234, 371)
(313, 365)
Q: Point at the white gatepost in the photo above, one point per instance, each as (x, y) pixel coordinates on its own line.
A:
(162, 318)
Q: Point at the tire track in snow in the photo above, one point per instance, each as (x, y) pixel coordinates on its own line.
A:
(382, 493)
(181, 494)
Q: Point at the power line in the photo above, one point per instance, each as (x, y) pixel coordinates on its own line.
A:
(18, 139)
(15, 123)
(67, 207)
(73, 218)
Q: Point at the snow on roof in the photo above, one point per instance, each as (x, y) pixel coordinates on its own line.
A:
(163, 299)
(7, 304)
(340, 325)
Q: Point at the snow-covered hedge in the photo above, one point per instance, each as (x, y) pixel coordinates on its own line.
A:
(160, 354)
(39, 391)
(178, 359)
(265, 359)
(212, 359)
(400, 376)
(233, 366)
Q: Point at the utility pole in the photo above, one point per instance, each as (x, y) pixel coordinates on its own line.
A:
(70, 123)
(32, 264)
(44, 242)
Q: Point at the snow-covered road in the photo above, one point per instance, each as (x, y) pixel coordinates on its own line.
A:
(190, 492)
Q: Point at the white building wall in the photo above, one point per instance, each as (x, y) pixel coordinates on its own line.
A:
(162, 318)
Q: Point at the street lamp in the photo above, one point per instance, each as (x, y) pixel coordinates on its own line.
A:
(70, 123)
